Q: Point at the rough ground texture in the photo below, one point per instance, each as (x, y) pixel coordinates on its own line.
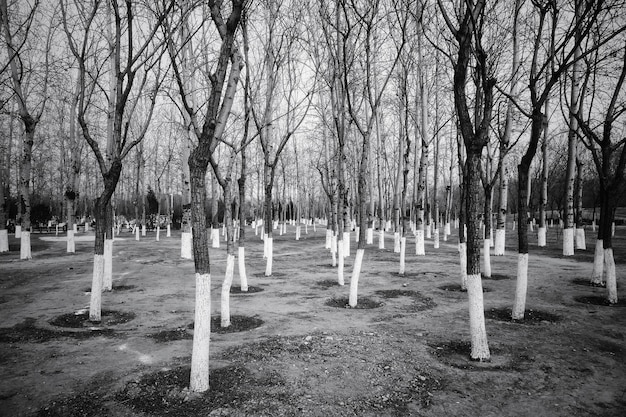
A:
(294, 348)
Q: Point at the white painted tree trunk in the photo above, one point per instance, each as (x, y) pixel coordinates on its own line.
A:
(143, 230)
(95, 301)
(107, 277)
(333, 248)
(370, 236)
(215, 238)
(71, 243)
(298, 231)
(270, 256)
(25, 248)
(436, 238)
(346, 243)
(228, 282)
(419, 243)
(381, 238)
(611, 279)
(478, 333)
(329, 238)
(199, 380)
(580, 239)
(136, 233)
(542, 237)
(340, 262)
(354, 279)
(243, 277)
(568, 241)
(500, 242)
(4, 240)
(169, 231)
(428, 232)
(598, 263)
(446, 229)
(487, 258)
(158, 233)
(18, 231)
(463, 264)
(396, 242)
(185, 245)
(402, 254)
(521, 287)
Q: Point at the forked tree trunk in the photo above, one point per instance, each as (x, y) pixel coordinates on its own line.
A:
(572, 141)
(103, 211)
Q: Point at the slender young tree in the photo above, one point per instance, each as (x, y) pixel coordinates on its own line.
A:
(608, 152)
(475, 133)
(30, 104)
(542, 76)
(572, 141)
(217, 109)
(505, 137)
(367, 16)
(141, 57)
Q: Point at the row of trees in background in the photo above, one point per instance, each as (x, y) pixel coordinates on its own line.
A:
(396, 115)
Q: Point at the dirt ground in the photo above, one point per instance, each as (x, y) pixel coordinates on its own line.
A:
(294, 348)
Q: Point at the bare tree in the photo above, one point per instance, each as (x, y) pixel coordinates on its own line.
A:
(80, 22)
(468, 33)
(31, 104)
(608, 152)
(208, 131)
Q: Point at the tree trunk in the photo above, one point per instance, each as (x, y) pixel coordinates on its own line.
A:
(523, 170)
(572, 140)
(542, 230)
(243, 277)
(103, 213)
(580, 231)
(199, 380)
(480, 347)
(186, 236)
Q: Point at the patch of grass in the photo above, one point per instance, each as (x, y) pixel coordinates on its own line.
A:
(251, 290)
(456, 353)
(238, 323)
(84, 404)
(80, 319)
(28, 332)
(496, 277)
(530, 316)
(171, 335)
(327, 283)
(457, 288)
(363, 303)
(588, 283)
(166, 393)
(598, 301)
(115, 288)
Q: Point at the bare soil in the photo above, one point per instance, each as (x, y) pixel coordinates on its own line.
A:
(295, 347)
